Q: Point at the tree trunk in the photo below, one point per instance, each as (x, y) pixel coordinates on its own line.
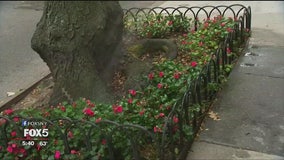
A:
(80, 42)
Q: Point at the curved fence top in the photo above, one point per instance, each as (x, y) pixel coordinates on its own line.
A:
(196, 12)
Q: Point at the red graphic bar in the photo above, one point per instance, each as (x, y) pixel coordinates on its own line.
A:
(30, 139)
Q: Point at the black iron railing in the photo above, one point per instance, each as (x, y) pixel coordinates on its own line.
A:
(190, 117)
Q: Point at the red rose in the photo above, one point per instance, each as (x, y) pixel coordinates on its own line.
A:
(228, 50)
(89, 112)
(104, 141)
(98, 120)
(14, 145)
(206, 25)
(57, 155)
(62, 108)
(161, 115)
(132, 92)
(8, 111)
(193, 64)
(229, 29)
(13, 133)
(151, 76)
(130, 101)
(70, 134)
(176, 76)
(157, 129)
(223, 24)
(175, 119)
(170, 23)
(142, 112)
(16, 119)
(160, 85)
(73, 151)
(10, 149)
(161, 74)
(117, 109)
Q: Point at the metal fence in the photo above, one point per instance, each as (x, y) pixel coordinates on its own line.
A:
(198, 93)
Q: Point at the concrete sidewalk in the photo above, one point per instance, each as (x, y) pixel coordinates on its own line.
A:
(250, 106)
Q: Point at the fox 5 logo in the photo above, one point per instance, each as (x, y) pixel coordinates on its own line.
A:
(36, 132)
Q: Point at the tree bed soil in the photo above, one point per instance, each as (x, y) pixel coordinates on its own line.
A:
(38, 97)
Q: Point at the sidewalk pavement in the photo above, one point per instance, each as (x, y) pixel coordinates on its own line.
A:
(251, 109)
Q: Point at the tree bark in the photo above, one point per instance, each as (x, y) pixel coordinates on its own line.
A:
(80, 42)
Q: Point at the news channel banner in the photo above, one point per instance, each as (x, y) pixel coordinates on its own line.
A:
(35, 133)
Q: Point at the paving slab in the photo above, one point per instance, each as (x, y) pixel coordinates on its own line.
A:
(217, 152)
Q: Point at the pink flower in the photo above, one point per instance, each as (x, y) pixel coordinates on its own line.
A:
(89, 112)
(13, 133)
(62, 108)
(183, 42)
(185, 35)
(10, 149)
(16, 119)
(88, 101)
(38, 147)
(22, 150)
(73, 151)
(8, 111)
(193, 64)
(90, 104)
(70, 134)
(57, 155)
(161, 74)
(98, 120)
(175, 119)
(235, 19)
(200, 44)
(170, 23)
(223, 24)
(176, 76)
(160, 85)
(161, 115)
(142, 112)
(151, 76)
(132, 92)
(228, 50)
(14, 145)
(206, 25)
(157, 129)
(104, 141)
(229, 29)
(117, 109)
(129, 101)
(2, 121)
